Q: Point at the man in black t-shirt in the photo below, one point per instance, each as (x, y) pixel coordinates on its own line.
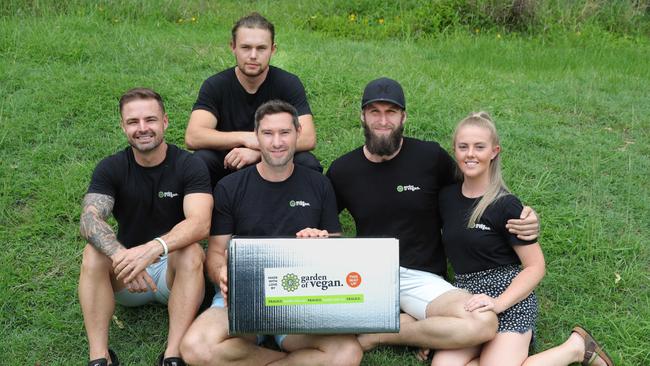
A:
(275, 197)
(160, 197)
(220, 128)
(390, 187)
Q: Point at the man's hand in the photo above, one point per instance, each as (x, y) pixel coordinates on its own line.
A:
(250, 140)
(309, 232)
(241, 157)
(223, 283)
(141, 283)
(128, 263)
(527, 226)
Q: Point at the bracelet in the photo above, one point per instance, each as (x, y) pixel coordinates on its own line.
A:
(164, 245)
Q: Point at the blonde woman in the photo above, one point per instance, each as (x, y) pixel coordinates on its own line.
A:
(501, 270)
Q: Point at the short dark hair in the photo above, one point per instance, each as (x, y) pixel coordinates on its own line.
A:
(140, 93)
(253, 20)
(274, 107)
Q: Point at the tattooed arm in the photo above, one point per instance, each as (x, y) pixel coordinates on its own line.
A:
(94, 228)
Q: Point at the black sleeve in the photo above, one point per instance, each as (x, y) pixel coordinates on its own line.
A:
(196, 177)
(209, 97)
(102, 181)
(446, 168)
(510, 208)
(295, 95)
(329, 219)
(222, 215)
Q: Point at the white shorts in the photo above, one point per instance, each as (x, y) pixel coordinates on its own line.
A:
(418, 288)
(158, 273)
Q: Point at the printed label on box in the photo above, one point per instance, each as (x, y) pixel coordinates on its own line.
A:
(312, 286)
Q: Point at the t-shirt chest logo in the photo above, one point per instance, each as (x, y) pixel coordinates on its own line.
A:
(167, 194)
(482, 227)
(293, 203)
(400, 188)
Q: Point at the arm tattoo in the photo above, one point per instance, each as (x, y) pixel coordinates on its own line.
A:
(94, 228)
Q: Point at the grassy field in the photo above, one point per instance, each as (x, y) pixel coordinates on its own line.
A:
(572, 108)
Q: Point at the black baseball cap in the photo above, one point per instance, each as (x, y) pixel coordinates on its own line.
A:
(383, 90)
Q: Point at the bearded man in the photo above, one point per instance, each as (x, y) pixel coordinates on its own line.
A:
(390, 187)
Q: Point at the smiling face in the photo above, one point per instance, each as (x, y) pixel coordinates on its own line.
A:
(144, 124)
(383, 125)
(253, 48)
(474, 149)
(277, 136)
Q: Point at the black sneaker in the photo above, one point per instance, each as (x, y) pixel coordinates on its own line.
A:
(170, 361)
(104, 362)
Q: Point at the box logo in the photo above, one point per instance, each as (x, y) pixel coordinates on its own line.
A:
(290, 282)
(311, 286)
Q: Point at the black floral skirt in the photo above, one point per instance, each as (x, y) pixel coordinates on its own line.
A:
(520, 317)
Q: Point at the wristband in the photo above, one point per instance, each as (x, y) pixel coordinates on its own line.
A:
(164, 245)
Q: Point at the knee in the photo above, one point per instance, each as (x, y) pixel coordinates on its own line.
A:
(347, 353)
(189, 259)
(483, 325)
(194, 348)
(94, 262)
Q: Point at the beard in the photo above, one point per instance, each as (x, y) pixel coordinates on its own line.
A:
(277, 162)
(383, 145)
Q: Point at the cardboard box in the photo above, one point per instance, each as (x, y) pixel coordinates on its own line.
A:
(324, 286)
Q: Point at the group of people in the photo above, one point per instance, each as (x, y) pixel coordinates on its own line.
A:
(252, 129)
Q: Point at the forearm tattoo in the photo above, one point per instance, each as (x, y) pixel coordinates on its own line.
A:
(94, 228)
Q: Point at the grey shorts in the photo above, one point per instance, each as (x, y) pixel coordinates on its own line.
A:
(158, 272)
(418, 288)
(218, 302)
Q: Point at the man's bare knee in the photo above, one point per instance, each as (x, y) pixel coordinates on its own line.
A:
(194, 349)
(483, 326)
(347, 352)
(94, 261)
(200, 344)
(189, 259)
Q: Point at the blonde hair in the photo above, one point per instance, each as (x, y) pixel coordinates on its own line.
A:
(497, 187)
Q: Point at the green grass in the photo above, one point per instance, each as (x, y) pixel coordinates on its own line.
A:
(572, 109)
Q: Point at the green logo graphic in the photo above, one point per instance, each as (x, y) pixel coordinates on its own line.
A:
(161, 194)
(292, 203)
(290, 282)
(400, 189)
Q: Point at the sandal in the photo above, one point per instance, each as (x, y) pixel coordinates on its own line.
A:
(592, 348)
(170, 361)
(104, 362)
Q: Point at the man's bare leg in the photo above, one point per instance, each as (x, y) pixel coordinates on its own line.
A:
(186, 283)
(447, 326)
(207, 343)
(326, 350)
(96, 286)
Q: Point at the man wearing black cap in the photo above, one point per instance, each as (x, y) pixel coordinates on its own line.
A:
(390, 187)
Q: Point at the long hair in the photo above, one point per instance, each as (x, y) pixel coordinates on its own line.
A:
(497, 187)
